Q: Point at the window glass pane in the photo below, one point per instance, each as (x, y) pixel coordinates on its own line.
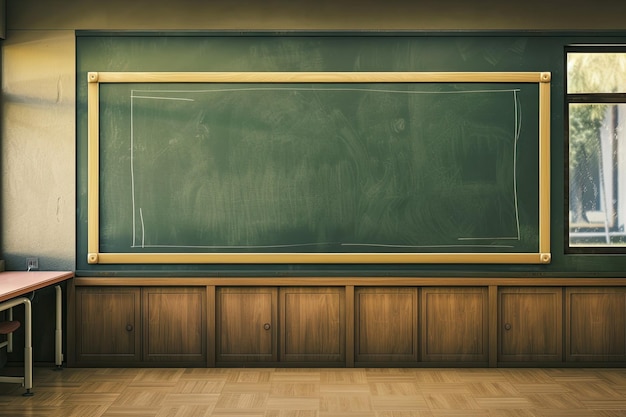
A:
(597, 174)
(596, 72)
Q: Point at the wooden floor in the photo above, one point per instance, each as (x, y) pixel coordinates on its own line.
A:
(318, 393)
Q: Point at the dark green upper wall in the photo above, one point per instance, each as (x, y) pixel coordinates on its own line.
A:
(469, 51)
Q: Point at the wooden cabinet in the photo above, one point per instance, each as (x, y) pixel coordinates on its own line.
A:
(386, 325)
(124, 325)
(108, 325)
(530, 324)
(246, 324)
(455, 325)
(346, 322)
(174, 325)
(595, 324)
(290, 324)
(312, 325)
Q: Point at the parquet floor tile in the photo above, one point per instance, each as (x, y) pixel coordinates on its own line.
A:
(295, 392)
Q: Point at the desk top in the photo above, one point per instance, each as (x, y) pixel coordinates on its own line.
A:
(16, 283)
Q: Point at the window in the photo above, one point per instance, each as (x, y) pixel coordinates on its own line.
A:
(596, 114)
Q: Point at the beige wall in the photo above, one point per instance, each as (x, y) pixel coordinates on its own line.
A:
(315, 14)
(37, 149)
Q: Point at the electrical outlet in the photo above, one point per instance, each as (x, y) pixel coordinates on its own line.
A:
(32, 264)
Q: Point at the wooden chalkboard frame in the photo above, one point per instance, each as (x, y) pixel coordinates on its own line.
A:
(94, 255)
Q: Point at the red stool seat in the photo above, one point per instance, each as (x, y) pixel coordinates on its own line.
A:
(9, 326)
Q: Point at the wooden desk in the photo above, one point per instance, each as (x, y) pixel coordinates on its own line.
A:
(13, 286)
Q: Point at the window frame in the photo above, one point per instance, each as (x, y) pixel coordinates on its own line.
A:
(586, 98)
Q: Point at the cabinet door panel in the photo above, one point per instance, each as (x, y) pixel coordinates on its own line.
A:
(108, 324)
(174, 324)
(455, 324)
(312, 323)
(386, 324)
(596, 324)
(246, 324)
(530, 324)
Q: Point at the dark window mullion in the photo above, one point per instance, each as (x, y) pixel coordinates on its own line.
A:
(596, 98)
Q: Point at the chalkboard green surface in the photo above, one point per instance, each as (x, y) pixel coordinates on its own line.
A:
(318, 167)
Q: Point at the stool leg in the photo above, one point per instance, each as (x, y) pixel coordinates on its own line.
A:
(10, 335)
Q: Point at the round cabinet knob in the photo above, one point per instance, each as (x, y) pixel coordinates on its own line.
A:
(267, 326)
(129, 327)
(507, 326)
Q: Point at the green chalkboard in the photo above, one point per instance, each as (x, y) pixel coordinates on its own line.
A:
(319, 167)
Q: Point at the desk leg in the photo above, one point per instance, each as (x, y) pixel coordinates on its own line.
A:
(28, 348)
(58, 334)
